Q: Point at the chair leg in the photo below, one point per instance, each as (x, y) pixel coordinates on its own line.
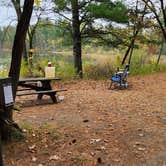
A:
(121, 82)
(110, 85)
(126, 84)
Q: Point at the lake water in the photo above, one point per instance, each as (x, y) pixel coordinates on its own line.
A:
(5, 59)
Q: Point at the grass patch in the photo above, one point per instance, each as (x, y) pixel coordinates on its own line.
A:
(143, 63)
(27, 126)
(97, 64)
(51, 131)
(17, 135)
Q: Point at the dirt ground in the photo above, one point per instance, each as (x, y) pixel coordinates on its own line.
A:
(94, 126)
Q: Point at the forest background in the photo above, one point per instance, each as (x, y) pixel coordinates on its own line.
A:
(104, 41)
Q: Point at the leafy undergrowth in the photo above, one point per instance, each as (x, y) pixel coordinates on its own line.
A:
(94, 126)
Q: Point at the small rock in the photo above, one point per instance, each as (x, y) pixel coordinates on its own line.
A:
(141, 134)
(54, 157)
(34, 159)
(33, 135)
(141, 148)
(24, 130)
(32, 147)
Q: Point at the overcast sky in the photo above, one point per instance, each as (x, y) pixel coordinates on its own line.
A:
(7, 15)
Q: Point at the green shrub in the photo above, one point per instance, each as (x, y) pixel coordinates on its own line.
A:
(3, 73)
(65, 71)
(97, 64)
(36, 70)
(98, 70)
(25, 70)
(145, 64)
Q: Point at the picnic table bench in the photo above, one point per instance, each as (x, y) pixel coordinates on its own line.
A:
(40, 86)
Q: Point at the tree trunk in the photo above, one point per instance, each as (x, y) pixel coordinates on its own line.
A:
(77, 50)
(17, 7)
(17, 51)
(130, 47)
(1, 161)
(160, 52)
(19, 39)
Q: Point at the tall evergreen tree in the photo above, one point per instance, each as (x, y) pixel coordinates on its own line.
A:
(82, 16)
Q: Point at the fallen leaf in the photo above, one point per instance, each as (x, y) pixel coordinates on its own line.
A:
(32, 147)
(94, 140)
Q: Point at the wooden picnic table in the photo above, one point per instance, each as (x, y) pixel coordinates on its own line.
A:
(40, 86)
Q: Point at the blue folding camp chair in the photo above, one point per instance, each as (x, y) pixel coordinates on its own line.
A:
(119, 79)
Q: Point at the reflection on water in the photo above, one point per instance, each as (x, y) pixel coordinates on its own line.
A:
(4, 70)
(5, 58)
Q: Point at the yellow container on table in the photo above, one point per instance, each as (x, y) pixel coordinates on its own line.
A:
(50, 72)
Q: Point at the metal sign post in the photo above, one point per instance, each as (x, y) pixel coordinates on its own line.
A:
(6, 103)
(6, 93)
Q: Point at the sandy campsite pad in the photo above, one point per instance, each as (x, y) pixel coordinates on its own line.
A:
(92, 125)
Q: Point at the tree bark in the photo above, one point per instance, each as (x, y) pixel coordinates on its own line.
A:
(137, 28)
(17, 51)
(130, 47)
(160, 17)
(77, 50)
(1, 160)
(160, 52)
(19, 39)
(16, 4)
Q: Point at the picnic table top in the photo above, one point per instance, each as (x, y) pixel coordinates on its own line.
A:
(31, 79)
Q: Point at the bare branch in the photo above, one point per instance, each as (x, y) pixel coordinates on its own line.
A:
(151, 6)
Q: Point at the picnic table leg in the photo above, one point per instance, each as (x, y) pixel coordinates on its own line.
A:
(53, 97)
(39, 96)
(46, 85)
